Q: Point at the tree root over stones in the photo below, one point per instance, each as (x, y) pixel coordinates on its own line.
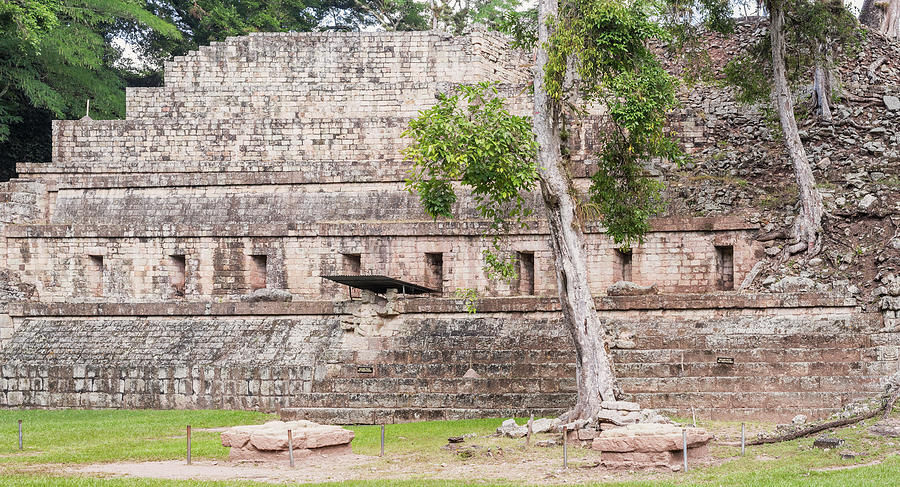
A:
(888, 402)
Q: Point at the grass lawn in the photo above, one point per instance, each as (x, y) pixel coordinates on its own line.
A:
(71, 437)
(91, 436)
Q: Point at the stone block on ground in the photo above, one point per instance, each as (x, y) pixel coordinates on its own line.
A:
(269, 441)
(642, 446)
(620, 405)
(888, 427)
(511, 429)
(620, 418)
(543, 425)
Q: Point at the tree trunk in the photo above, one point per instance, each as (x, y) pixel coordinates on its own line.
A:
(808, 222)
(822, 84)
(890, 25)
(882, 16)
(594, 374)
(821, 92)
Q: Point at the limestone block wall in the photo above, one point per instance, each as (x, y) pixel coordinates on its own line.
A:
(122, 263)
(332, 361)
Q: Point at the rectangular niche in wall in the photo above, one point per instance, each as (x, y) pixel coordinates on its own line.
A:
(177, 273)
(95, 274)
(352, 264)
(623, 265)
(526, 273)
(258, 267)
(434, 271)
(724, 267)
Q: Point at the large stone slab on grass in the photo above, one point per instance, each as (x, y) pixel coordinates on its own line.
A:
(269, 442)
(643, 445)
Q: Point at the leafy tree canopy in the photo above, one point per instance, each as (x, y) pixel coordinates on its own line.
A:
(809, 25)
(603, 44)
(54, 55)
(204, 21)
(607, 44)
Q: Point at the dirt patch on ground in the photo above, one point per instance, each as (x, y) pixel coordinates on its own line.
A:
(582, 468)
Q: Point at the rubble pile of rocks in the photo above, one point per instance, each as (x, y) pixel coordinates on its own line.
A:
(739, 165)
(269, 442)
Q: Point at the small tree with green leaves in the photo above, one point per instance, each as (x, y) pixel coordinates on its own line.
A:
(587, 51)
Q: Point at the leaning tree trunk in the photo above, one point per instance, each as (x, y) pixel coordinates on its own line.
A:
(594, 372)
(808, 222)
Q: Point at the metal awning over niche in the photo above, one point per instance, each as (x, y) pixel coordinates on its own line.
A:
(380, 284)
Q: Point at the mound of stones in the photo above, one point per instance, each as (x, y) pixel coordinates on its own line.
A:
(269, 442)
(650, 446)
(627, 436)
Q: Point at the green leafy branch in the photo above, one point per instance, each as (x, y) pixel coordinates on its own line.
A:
(470, 137)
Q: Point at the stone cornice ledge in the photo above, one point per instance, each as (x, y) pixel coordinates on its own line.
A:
(435, 305)
(350, 228)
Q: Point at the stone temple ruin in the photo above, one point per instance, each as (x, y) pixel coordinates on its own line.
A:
(174, 259)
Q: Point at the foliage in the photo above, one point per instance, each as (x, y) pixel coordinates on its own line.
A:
(204, 21)
(688, 22)
(809, 24)
(607, 42)
(469, 136)
(458, 15)
(54, 55)
(469, 298)
(521, 26)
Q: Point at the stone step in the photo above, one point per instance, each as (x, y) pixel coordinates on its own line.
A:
(403, 415)
(430, 400)
(412, 385)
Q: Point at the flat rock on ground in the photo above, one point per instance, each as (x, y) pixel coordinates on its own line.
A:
(888, 427)
(269, 441)
(645, 446)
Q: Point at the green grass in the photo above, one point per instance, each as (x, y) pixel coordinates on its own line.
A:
(92, 436)
(425, 436)
(77, 436)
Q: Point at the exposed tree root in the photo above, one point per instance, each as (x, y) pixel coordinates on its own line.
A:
(886, 408)
(815, 429)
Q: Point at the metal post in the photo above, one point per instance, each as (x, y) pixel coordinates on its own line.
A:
(743, 439)
(565, 447)
(20, 434)
(291, 447)
(528, 439)
(684, 442)
(188, 444)
(382, 440)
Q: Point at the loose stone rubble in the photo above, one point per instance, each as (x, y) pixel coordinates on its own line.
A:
(512, 429)
(269, 442)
